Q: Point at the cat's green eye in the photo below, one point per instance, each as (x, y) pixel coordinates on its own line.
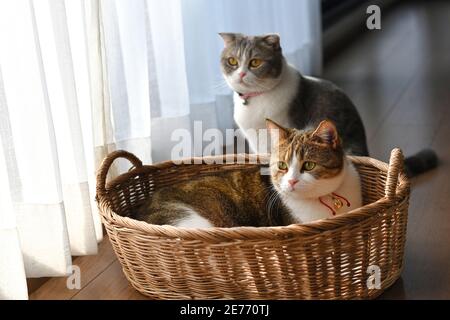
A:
(308, 165)
(232, 61)
(282, 165)
(255, 63)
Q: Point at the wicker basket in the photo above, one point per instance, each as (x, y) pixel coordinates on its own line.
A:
(327, 259)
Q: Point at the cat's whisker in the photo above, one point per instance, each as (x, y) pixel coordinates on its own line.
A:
(271, 203)
(263, 87)
(220, 85)
(264, 189)
(268, 195)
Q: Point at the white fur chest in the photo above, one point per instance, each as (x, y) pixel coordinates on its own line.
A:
(273, 104)
(312, 209)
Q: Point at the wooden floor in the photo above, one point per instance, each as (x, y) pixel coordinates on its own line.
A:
(399, 78)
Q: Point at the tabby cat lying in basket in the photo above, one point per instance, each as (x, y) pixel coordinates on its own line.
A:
(310, 179)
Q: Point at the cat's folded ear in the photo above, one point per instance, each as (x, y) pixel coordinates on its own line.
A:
(326, 132)
(278, 134)
(271, 39)
(229, 37)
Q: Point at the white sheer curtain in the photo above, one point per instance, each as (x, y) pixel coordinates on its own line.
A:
(81, 78)
(46, 136)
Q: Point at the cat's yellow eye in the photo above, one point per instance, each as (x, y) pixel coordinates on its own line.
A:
(282, 165)
(308, 165)
(232, 61)
(255, 63)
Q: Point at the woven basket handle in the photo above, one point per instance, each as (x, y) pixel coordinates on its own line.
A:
(394, 170)
(106, 164)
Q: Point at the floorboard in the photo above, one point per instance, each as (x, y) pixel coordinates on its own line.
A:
(111, 284)
(90, 268)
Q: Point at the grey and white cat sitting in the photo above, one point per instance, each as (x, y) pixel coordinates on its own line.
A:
(266, 86)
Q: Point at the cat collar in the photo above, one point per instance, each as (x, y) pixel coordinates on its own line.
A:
(246, 96)
(337, 202)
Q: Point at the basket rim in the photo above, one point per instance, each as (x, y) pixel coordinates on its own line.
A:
(221, 234)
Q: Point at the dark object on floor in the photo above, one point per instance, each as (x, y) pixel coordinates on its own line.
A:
(421, 162)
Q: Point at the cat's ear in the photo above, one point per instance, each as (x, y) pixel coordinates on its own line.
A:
(229, 37)
(326, 132)
(272, 39)
(278, 134)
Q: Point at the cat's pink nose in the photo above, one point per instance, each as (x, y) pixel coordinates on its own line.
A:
(242, 74)
(292, 182)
